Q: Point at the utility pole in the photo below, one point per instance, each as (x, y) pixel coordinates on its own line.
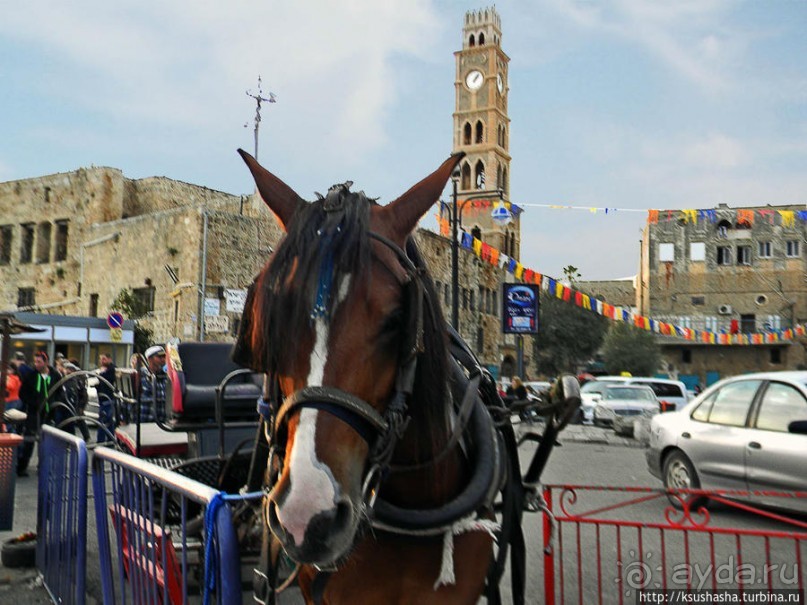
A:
(259, 98)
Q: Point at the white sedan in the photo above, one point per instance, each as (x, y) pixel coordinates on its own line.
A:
(622, 402)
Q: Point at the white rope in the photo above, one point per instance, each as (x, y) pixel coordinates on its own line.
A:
(470, 523)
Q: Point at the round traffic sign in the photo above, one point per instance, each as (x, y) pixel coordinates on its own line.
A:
(114, 320)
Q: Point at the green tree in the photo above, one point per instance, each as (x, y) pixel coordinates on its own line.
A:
(568, 337)
(133, 308)
(630, 349)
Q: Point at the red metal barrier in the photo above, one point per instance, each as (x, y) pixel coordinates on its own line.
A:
(605, 544)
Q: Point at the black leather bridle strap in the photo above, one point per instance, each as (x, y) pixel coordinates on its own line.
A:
(355, 412)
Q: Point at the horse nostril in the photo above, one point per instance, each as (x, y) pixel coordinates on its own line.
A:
(343, 519)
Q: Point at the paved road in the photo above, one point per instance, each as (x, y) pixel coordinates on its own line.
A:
(588, 456)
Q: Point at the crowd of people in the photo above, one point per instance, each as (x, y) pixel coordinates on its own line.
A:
(30, 392)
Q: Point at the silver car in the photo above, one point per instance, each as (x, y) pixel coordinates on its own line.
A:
(744, 433)
(623, 401)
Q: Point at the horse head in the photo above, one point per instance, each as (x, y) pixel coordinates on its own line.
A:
(334, 320)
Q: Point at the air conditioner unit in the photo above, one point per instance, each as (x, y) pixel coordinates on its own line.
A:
(724, 309)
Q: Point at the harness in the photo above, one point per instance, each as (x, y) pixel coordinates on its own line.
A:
(495, 465)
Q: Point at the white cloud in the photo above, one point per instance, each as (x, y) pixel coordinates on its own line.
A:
(176, 63)
(716, 151)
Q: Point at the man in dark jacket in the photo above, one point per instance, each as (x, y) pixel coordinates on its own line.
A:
(34, 395)
(106, 398)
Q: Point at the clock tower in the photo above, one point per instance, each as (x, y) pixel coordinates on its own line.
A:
(482, 129)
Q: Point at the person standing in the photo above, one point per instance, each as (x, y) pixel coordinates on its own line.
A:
(13, 384)
(23, 369)
(34, 395)
(106, 398)
(152, 384)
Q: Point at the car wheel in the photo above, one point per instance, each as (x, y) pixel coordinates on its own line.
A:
(680, 474)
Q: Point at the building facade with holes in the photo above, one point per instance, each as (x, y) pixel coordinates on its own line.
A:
(726, 270)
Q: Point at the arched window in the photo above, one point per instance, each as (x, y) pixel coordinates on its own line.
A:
(505, 185)
(466, 177)
(481, 39)
(479, 175)
(504, 136)
(466, 134)
(471, 41)
(480, 132)
(499, 177)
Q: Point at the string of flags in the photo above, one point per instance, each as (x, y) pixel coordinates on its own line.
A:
(744, 217)
(553, 287)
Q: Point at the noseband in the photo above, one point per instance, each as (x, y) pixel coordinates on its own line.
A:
(380, 431)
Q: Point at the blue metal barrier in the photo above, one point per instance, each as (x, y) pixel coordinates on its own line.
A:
(160, 548)
(61, 550)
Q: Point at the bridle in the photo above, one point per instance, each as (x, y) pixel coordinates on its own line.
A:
(381, 431)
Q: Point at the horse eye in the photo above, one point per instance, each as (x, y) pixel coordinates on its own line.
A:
(393, 323)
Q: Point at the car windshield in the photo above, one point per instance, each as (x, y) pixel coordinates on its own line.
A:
(594, 387)
(629, 393)
(663, 389)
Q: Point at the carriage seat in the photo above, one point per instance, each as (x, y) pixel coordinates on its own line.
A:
(195, 369)
(154, 441)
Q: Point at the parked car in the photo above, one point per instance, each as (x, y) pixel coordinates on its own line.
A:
(536, 387)
(672, 394)
(624, 401)
(744, 433)
(591, 392)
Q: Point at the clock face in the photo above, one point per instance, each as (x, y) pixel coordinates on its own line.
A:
(500, 83)
(474, 79)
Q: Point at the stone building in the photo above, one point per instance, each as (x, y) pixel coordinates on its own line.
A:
(727, 271)
(71, 242)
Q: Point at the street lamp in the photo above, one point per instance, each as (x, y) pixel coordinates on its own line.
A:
(456, 222)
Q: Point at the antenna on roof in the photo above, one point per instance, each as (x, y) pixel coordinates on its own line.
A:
(259, 98)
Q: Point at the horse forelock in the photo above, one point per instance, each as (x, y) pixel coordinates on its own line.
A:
(326, 241)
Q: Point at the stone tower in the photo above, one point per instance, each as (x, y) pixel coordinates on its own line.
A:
(482, 128)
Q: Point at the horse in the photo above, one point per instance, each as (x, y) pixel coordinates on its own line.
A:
(366, 413)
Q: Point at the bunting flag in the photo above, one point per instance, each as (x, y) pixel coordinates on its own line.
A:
(742, 216)
(553, 287)
(788, 217)
(690, 216)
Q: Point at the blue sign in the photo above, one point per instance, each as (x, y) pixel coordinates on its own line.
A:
(114, 320)
(521, 308)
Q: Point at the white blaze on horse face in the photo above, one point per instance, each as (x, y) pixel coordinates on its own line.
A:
(313, 487)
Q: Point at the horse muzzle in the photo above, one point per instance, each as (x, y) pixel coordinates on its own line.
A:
(311, 535)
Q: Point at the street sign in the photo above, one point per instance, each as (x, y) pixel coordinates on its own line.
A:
(217, 323)
(114, 320)
(521, 307)
(234, 300)
(212, 306)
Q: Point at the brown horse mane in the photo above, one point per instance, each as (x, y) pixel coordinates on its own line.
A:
(333, 231)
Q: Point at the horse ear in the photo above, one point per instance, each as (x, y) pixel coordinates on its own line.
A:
(407, 210)
(281, 199)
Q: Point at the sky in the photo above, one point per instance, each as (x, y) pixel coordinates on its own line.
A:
(623, 105)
